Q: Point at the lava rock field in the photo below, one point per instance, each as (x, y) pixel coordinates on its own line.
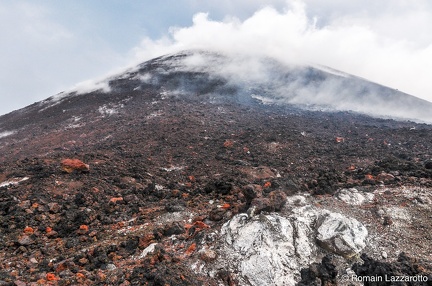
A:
(165, 172)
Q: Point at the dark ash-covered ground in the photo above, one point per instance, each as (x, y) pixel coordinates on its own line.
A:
(171, 170)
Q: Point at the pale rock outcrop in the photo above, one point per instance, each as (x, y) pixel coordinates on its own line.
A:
(341, 235)
(262, 249)
(271, 249)
(353, 197)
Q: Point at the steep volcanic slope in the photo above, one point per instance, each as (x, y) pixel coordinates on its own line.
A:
(177, 158)
(206, 76)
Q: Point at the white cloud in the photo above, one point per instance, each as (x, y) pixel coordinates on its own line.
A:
(387, 42)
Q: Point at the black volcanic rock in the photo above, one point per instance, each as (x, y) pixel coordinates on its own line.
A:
(323, 273)
(403, 267)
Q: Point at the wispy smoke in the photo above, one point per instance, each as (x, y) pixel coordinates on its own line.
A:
(377, 40)
(91, 85)
(311, 87)
(363, 38)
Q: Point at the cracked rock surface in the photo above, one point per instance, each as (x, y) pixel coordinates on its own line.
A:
(270, 249)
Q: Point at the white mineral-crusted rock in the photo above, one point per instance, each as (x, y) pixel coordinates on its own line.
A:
(271, 249)
(149, 249)
(353, 197)
(341, 235)
(263, 249)
(297, 200)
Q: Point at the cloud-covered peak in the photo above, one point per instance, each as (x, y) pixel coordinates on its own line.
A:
(366, 39)
(243, 77)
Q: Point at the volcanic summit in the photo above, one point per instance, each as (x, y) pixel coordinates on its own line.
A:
(199, 168)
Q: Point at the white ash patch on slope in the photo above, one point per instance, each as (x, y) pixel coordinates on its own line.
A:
(6, 133)
(14, 181)
(110, 109)
(74, 122)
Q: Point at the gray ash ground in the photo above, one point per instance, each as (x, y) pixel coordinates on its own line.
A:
(169, 170)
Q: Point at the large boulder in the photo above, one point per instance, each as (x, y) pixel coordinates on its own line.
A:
(341, 235)
(74, 165)
(264, 250)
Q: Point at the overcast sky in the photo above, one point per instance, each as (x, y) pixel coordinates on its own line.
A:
(48, 46)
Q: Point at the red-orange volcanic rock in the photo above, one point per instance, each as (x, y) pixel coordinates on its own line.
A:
(71, 165)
